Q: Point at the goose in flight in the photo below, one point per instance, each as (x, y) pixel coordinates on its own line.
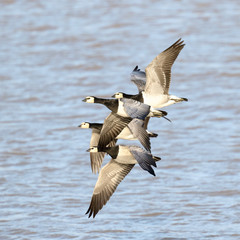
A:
(158, 77)
(123, 112)
(127, 107)
(133, 131)
(96, 158)
(123, 160)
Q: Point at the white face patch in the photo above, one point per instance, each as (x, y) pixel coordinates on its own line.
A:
(118, 95)
(85, 125)
(93, 149)
(89, 99)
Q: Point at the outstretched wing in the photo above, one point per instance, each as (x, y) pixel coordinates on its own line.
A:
(139, 132)
(144, 158)
(96, 161)
(139, 78)
(140, 84)
(109, 178)
(135, 109)
(158, 72)
(96, 158)
(112, 126)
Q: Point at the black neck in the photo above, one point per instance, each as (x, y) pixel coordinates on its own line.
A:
(96, 125)
(112, 151)
(111, 104)
(137, 97)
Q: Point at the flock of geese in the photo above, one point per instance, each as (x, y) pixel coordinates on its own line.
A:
(129, 119)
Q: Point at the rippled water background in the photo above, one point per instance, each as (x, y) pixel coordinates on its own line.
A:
(53, 54)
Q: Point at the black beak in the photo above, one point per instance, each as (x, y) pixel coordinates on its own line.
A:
(84, 100)
(185, 99)
(88, 150)
(113, 96)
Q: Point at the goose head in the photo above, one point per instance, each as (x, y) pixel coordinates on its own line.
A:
(176, 99)
(89, 99)
(84, 125)
(93, 149)
(118, 95)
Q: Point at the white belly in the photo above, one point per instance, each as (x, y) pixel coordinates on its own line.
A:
(126, 134)
(125, 156)
(156, 101)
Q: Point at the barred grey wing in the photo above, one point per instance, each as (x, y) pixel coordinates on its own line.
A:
(139, 132)
(109, 178)
(112, 126)
(135, 109)
(144, 158)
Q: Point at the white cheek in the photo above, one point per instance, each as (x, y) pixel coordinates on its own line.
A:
(90, 100)
(94, 150)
